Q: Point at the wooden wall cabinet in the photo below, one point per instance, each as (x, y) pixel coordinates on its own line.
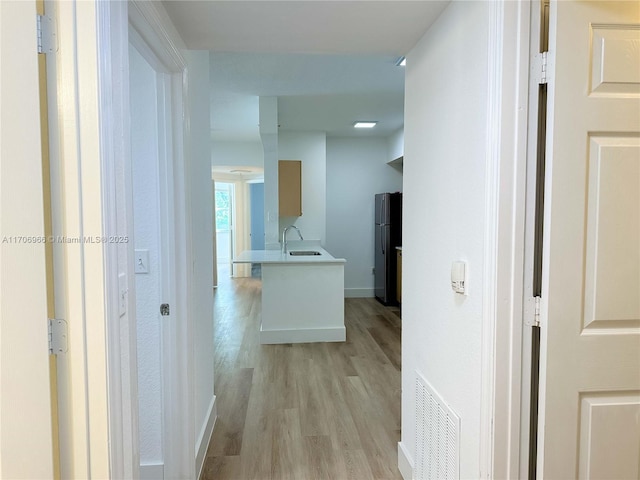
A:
(290, 188)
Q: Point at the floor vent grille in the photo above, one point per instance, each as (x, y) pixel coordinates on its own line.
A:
(437, 436)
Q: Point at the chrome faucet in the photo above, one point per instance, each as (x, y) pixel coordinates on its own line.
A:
(284, 237)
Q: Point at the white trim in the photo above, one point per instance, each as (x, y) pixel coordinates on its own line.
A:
(155, 36)
(152, 471)
(504, 241)
(491, 213)
(303, 335)
(359, 293)
(166, 202)
(405, 462)
(204, 438)
(511, 244)
(505, 188)
(114, 104)
(182, 378)
(155, 28)
(88, 402)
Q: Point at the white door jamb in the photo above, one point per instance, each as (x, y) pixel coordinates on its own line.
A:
(504, 239)
(155, 30)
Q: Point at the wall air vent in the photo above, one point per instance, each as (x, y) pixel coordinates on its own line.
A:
(437, 453)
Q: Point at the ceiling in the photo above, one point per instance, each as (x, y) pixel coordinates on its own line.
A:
(226, 173)
(315, 93)
(329, 62)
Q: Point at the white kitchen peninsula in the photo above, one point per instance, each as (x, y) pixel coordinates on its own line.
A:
(302, 295)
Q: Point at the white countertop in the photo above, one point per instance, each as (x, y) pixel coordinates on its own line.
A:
(276, 256)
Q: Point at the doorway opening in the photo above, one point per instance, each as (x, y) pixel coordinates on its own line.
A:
(224, 203)
(237, 217)
(147, 138)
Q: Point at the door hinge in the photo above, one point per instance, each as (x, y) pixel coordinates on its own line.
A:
(536, 311)
(541, 67)
(164, 310)
(532, 312)
(57, 329)
(46, 34)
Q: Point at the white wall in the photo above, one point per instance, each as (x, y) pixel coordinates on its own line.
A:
(444, 175)
(240, 154)
(144, 159)
(269, 137)
(310, 147)
(356, 171)
(200, 196)
(396, 145)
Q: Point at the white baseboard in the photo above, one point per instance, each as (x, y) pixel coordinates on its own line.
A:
(303, 335)
(405, 462)
(358, 293)
(152, 472)
(205, 436)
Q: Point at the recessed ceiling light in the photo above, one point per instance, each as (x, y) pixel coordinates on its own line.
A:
(364, 124)
(402, 62)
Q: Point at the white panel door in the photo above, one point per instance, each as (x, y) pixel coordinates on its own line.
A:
(26, 448)
(590, 358)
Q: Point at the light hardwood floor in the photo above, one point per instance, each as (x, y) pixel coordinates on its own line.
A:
(304, 411)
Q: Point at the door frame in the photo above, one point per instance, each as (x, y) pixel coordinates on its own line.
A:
(79, 101)
(153, 35)
(504, 240)
(94, 171)
(240, 239)
(535, 29)
(231, 189)
(98, 431)
(167, 239)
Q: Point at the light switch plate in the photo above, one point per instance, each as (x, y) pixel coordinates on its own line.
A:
(142, 261)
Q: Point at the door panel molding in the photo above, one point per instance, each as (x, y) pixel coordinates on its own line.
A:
(612, 263)
(605, 415)
(615, 71)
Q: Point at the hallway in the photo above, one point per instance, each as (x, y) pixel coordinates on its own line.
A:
(304, 411)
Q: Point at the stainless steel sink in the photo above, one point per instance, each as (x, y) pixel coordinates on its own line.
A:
(305, 253)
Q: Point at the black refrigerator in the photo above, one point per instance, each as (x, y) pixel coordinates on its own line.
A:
(388, 236)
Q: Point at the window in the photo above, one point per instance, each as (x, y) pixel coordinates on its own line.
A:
(223, 208)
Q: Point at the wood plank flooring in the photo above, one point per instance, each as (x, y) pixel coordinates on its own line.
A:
(304, 411)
